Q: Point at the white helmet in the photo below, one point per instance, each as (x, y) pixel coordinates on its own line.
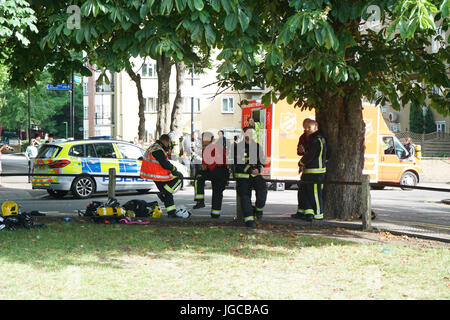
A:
(182, 212)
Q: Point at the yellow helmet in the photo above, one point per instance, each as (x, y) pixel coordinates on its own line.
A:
(157, 213)
(10, 208)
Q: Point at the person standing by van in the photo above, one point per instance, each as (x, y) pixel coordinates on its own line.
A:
(407, 143)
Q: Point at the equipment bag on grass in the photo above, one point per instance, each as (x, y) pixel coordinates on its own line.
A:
(141, 208)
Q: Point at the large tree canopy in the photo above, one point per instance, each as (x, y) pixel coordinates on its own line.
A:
(316, 53)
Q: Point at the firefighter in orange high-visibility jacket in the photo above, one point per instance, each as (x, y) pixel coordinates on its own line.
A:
(313, 169)
(157, 167)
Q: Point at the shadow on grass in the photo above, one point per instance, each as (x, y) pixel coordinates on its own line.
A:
(61, 245)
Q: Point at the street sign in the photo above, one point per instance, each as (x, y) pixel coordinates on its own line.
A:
(58, 87)
(76, 78)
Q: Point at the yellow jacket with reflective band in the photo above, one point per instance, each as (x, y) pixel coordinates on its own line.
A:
(151, 168)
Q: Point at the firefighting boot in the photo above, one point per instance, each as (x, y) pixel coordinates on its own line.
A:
(199, 204)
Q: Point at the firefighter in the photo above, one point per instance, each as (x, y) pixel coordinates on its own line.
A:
(249, 161)
(157, 167)
(313, 168)
(214, 168)
(302, 143)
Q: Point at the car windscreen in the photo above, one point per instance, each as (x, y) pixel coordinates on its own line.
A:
(48, 151)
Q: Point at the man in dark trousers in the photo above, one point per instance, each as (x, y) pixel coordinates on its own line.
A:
(214, 168)
(313, 168)
(249, 161)
(157, 167)
(301, 145)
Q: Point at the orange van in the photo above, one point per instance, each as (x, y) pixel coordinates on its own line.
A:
(279, 127)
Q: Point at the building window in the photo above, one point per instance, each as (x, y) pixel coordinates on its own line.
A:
(228, 105)
(149, 70)
(187, 105)
(395, 127)
(440, 126)
(151, 105)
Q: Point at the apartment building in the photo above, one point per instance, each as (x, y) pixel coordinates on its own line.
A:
(112, 109)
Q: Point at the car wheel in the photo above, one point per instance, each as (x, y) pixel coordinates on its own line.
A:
(58, 194)
(83, 187)
(143, 190)
(408, 179)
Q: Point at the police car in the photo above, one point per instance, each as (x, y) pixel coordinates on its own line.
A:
(87, 158)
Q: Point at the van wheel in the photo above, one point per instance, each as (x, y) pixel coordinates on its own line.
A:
(58, 194)
(408, 179)
(83, 187)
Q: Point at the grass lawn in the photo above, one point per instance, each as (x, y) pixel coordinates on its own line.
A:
(93, 261)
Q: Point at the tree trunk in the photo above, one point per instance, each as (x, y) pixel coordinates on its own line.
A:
(137, 80)
(163, 67)
(175, 124)
(342, 124)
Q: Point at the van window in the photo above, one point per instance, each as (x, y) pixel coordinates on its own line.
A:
(105, 150)
(129, 151)
(392, 145)
(388, 145)
(400, 150)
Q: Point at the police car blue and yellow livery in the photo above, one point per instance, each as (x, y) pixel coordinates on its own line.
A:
(86, 158)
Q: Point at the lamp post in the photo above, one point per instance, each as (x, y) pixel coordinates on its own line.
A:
(192, 104)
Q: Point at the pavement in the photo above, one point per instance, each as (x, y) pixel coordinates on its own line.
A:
(16, 187)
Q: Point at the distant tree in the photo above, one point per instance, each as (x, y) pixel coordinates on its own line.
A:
(416, 119)
(49, 109)
(429, 124)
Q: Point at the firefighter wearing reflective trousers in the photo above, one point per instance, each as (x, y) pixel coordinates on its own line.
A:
(214, 168)
(157, 167)
(249, 160)
(313, 169)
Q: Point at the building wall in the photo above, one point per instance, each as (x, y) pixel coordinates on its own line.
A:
(403, 118)
(210, 117)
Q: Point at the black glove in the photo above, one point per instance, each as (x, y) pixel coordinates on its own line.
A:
(177, 173)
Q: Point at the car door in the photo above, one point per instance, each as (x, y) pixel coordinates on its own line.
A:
(130, 164)
(108, 157)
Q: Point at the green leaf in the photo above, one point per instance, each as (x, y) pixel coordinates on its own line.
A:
(87, 34)
(445, 8)
(210, 36)
(244, 20)
(199, 5)
(166, 6)
(215, 4)
(80, 35)
(226, 6)
(143, 11)
(305, 24)
(231, 22)
(180, 5)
